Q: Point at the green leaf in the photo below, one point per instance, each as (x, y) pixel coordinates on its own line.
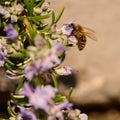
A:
(10, 110)
(53, 18)
(8, 66)
(17, 55)
(29, 5)
(37, 80)
(49, 26)
(37, 19)
(69, 93)
(62, 56)
(40, 3)
(10, 63)
(59, 15)
(17, 96)
(54, 80)
(19, 99)
(32, 33)
(18, 73)
(59, 98)
(23, 63)
(48, 43)
(40, 17)
(20, 84)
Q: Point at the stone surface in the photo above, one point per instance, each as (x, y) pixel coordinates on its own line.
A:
(111, 114)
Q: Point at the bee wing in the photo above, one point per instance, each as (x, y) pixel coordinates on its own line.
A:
(91, 35)
(88, 30)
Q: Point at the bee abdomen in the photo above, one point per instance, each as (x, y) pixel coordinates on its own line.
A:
(81, 42)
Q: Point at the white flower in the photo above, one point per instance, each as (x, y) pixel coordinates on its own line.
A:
(83, 116)
(37, 10)
(19, 8)
(14, 18)
(67, 30)
(64, 71)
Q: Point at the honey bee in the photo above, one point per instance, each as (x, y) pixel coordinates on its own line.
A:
(81, 33)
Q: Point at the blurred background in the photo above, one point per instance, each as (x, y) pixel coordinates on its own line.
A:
(97, 79)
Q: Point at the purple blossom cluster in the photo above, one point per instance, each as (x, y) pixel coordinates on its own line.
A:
(45, 62)
(43, 98)
(43, 95)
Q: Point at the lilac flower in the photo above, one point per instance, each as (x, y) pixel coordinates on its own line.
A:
(56, 111)
(64, 70)
(31, 70)
(11, 31)
(43, 96)
(50, 91)
(26, 114)
(47, 64)
(42, 61)
(64, 105)
(67, 30)
(59, 116)
(54, 28)
(39, 41)
(51, 57)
